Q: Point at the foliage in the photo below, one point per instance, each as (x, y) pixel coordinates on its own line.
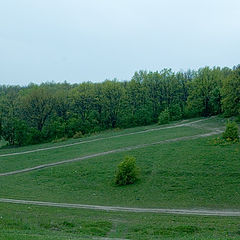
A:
(238, 118)
(219, 141)
(127, 172)
(231, 134)
(231, 93)
(15, 132)
(55, 110)
(37, 105)
(164, 117)
(204, 93)
(175, 112)
(78, 135)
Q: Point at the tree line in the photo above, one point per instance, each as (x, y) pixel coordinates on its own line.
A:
(40, 113)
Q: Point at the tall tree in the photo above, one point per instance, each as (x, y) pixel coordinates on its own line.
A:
(231, 93)
(35, 113)
(37, 106)
(204, 96)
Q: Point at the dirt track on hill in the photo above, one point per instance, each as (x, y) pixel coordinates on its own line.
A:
(47, 165)
(198, 212)
(103, 138)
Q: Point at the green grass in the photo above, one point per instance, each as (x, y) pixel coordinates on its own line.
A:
(171, 176)
(19, 222)
(106, 133)
(184, 174)
(15, 162)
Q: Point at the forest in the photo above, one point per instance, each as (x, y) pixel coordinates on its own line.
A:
(50, 111)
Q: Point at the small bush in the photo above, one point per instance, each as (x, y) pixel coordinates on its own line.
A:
(175, 112)
(219, 141)
(164, 117)
(231, 133)
(78, 135)
(127, 172)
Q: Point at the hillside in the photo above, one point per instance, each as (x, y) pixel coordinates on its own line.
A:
(180, 166)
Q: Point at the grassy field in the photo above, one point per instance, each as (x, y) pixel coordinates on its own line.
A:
(32, 159)
(108, 133)
(29, 223)
(182, 174)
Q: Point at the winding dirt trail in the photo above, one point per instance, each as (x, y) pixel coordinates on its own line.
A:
(47, 165)
(104, 138)
(198, 212)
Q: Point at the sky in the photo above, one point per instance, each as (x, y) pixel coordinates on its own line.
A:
(94, 40)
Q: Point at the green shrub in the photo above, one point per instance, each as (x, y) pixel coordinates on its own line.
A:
(219, 141)
(78, 135)
(164, 117)
(127, 172)
(175, 112)
(232, 132)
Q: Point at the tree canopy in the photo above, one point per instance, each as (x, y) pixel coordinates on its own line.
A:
(40, 113)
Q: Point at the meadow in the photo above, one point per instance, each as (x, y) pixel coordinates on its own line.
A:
(184, 174)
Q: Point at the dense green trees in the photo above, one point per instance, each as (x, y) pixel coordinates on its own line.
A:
(231, 93)
(204, 93)
(39, 113)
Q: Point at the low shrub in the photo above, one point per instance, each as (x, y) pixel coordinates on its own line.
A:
(127, 172)
(78, 135)
(231, 134)
(175, 112)
(164, 117)
(219, 141)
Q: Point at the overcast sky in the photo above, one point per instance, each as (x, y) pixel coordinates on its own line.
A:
(92, 40)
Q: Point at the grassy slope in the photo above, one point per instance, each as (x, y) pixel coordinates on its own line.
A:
(171, 176)
(108, 133)
(42, 223)
(181, 174)
(15, 162)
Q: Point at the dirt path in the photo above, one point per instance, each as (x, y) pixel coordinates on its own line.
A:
(103, 138)
(47, 165)
(199, 212)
